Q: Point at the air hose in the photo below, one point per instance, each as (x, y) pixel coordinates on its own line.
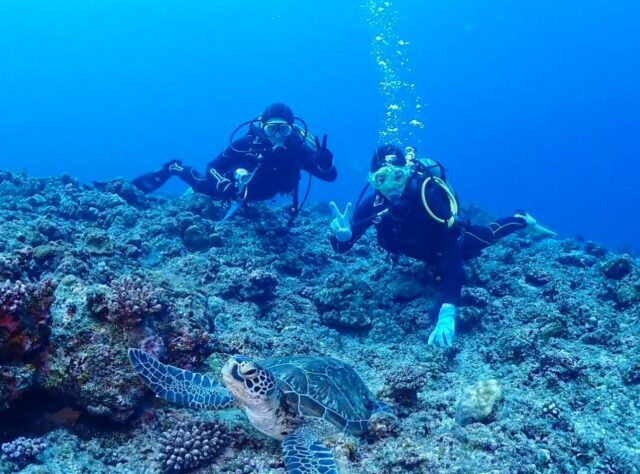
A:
(453, 203)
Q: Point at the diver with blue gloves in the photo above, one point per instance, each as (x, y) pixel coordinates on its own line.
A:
(265, 162)
(415, 213)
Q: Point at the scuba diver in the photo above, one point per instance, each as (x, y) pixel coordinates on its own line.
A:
(265, 162)
(415, 213)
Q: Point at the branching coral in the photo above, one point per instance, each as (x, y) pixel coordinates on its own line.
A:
(189, 445)
(403, 384)
(24, 316)
(23, 451)
(127, 302)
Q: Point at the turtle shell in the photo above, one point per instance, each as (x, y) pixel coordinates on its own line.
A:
(324, 388)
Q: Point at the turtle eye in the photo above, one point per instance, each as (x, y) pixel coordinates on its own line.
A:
(248, 370)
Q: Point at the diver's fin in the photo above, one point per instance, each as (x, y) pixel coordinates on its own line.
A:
(235, 205)
(151, 181)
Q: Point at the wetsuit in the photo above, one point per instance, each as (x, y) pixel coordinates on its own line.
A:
(275, 172)
(404, 227)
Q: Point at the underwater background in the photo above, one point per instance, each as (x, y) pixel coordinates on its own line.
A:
(528, 104)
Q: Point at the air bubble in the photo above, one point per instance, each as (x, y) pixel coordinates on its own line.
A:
(402, 106)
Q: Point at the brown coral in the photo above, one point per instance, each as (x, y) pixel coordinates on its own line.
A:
(127, 302)
(24, 317)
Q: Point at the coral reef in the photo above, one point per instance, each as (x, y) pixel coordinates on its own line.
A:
(127, 302)
(24, 317)
(403, 383)
(478, 402)
(88, 271)
(22, 451)
(384, 425)
(188, 445)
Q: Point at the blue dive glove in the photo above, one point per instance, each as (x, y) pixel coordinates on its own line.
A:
(446, 327)
(340, 224)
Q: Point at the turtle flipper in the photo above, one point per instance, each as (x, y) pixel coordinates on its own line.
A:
(303, 453)
(180, 386)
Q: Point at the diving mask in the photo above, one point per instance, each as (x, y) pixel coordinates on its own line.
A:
(271, 128)
(390, 180)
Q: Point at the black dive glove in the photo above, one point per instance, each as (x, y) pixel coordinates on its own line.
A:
(323, 155)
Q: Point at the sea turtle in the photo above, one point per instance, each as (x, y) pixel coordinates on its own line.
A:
(298, 400)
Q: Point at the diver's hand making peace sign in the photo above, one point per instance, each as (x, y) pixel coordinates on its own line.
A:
(340, 225)
(324, 156)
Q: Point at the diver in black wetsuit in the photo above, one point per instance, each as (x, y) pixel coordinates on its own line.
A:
(266, 162)
(415, 211)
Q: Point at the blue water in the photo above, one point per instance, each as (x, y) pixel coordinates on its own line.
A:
(529, 104)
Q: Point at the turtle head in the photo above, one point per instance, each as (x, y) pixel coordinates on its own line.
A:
(248, 381)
